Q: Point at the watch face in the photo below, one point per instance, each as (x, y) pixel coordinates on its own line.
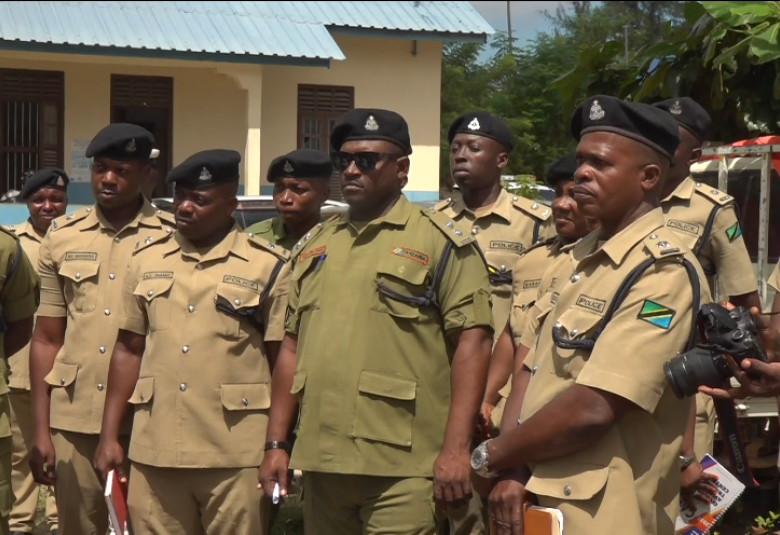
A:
(477, 459)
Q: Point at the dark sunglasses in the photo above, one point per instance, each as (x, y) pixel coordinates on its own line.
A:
(365, 161)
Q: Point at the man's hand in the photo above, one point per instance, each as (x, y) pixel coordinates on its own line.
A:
(452, 479)
(507, 501)
(483, 420)
(274, 470)
(766, 383)
(697, 484)
(110, 456)
(42, 460)
(770, 336)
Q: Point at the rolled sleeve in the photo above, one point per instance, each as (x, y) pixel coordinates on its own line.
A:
(275, 307)
(52, 298)
(132, 313)
(464, 292)
(21, 293)
(628, 358)
(730, 255)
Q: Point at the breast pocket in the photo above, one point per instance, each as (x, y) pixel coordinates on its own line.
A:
(155, 294)
(401, 289)
(574, 333)
(385, 408)
(244, 318)
(80, 284)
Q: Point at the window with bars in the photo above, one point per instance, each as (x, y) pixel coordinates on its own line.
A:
(31, 123)
(319, 107)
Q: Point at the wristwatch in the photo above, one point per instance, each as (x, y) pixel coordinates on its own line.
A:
(685, 462)
(480, 461)
(278, 445)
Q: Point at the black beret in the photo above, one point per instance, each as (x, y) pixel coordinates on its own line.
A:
(50, 177)
(301, 163)
(561, 169)
(481, 123)
(641, 122)
(689, 114)
(123, 142)
(373, 124)
(206, 169)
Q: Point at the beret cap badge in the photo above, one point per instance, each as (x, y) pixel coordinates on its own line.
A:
(676, 108)
(288, 168)
(596, 111)
(474, 124)
(130, 147)
(205, 174)
(371, 124)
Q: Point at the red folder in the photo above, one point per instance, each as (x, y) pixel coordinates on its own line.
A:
(116, 501)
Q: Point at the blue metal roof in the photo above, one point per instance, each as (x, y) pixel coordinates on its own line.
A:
(227, 31)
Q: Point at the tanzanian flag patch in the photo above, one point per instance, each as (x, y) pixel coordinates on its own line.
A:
(656, 313)
(734, 231)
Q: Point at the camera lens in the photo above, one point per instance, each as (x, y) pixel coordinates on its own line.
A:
(699, 367)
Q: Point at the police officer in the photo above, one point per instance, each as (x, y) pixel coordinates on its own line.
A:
(201, 317)
(19, 297)
(706, 221)
(570, 227)
(45, 192)
(301, 186)
(82, 265)
(599, 431)
(388, 340)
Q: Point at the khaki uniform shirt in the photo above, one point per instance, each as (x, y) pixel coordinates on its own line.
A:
(373, 373)
(629, 481)
(204, 388)
(503, 233)
(83, 261)
(687, 211)
(272, 230)
(19, 364)
(20, 300)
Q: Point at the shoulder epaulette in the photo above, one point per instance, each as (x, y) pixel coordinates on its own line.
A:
(153, 240)
(449, 228)
(9, 230)
(662, 243)
(308, 238)
(167, 217)
(271, 247)
(442, 204)
(714, 195)
(69, 219)
(533, 208)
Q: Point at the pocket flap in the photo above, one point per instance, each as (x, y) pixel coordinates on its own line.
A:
(300, 268)
(151, 288)
(246, 397)
(567, 481)
(238, 296)
(299, 381)
(144, 390)
(406, 264)
(388, 386)
(80, 270)
(62, 374)
(576, 324)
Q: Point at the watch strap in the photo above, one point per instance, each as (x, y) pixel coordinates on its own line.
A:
(278, 445)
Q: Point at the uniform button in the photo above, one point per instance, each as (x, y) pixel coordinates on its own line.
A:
(574, 332)
(185, 349)
(653, 236)
(150, 293)
(271, 245)
(62, 381)
(191, 309)
(534, 206)
(575, 278)
(533, 372)
(449, 224)
(111, 276)
(100, 388)
(458, 233)
(102, 349)
(698, 184)
(200, 267)
(567, 490)
(89, 210)
(251, 234)
(245, 402)
(78, 276)
(503, 269)
(308, 235)
(514, 199)
(169, 230)
(107, 312)
(116, 240)
(183, 387)
(237, 302)
(475, 231)
(714, 191)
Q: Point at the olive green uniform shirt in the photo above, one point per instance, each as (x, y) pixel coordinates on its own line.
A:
(273, 231)
(204, 388)
(83, 261)
(503, 233)
(19, 363)
(687, 211)
(628, 481)
(373, 373)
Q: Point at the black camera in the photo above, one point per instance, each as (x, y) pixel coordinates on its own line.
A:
(723, 332)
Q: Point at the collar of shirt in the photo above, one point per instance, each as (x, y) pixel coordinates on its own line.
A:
(146, 216)
(618, 247)
(502, 207)
(398, 215)
(232, 243)
(684, 191)
(27, 229)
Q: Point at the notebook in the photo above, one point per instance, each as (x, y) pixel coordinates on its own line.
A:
(116, 501)
(539, 521)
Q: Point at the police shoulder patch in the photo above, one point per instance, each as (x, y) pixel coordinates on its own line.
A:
(450, 228)
(535, 209)
(260, 243)
(656, 314)
(714, 195)
(734, 232)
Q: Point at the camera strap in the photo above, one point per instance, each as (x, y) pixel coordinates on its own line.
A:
(732, 441)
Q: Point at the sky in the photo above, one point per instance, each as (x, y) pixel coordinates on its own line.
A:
(527, 17)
